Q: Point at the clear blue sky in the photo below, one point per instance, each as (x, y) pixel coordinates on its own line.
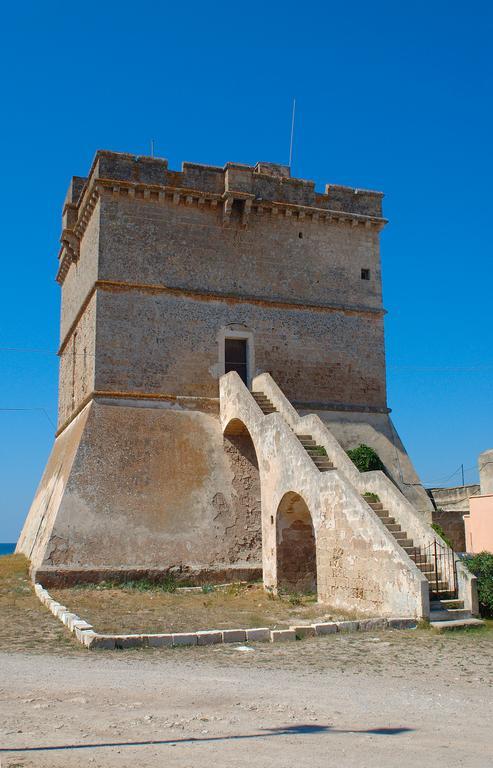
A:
(391, 96)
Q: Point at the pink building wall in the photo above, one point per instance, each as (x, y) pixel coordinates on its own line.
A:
(479, 524)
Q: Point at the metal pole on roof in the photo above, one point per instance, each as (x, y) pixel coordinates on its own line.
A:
(292, 133)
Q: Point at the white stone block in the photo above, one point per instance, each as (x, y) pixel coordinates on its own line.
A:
(99, 641)
(128, 641)
(184, 638)
(402, 623)
(258, 635)
(325, 628)
(370, 625)
(303, 630)
(282, 635)
(73, 619)
(209, 637)
(159, 641)
(234, 635)
(347, 626)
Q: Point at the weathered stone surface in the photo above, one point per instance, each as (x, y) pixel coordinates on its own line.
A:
(129, 641)
(67, 618)
(302, 631)
(369, 625)
(81, 629)
(209, 637)
(360, 565)
(402, 623)
(154, 280)
(98, 642)
(258, 635)
(160, 641)
(185, 638)
(282, 635)
(325, 628)
(234, 635)
(347, 626)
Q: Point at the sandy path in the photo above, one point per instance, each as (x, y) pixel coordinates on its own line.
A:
(344, 702)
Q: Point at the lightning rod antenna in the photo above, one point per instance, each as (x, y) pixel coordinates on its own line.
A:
(292, 134)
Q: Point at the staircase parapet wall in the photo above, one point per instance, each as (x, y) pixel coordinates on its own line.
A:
(410, 519)
(342, 520)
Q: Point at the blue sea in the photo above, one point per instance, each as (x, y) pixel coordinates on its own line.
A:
(6, 549)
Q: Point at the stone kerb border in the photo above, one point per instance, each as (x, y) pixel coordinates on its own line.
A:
(87, 636)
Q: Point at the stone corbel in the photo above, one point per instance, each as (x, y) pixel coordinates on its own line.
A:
(227, 207)
(246, 212)
(70, 243)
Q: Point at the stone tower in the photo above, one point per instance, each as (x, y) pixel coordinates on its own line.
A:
(170, 279)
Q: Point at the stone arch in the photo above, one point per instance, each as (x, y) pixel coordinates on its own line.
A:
(243, 461)
(296, 552)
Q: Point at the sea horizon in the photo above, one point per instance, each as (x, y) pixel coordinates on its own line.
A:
(6, 548)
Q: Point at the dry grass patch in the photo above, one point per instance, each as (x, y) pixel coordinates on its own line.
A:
(25, 624)
(131, 609)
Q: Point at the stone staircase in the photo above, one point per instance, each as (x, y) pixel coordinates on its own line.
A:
(446, 611)
(429, 555)
(317, 453)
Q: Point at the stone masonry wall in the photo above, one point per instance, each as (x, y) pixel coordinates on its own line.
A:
(160, 343)
(188, 246)
(222, 250)
(77, 364)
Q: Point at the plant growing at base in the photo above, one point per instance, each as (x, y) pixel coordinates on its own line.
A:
(371, 498)
(482, 566)
(438, 529)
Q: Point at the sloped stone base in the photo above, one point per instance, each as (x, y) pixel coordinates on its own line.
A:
(141, 491)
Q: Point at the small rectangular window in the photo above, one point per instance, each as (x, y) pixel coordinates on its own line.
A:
(365, 274)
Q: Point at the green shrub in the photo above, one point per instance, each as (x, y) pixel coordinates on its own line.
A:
(438, 529)
(319, 450)
(371, 498)
(365, 458)
(482, 567)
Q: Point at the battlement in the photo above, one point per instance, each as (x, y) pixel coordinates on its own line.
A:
(262, 183)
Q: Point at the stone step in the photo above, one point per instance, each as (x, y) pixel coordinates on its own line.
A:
(440, 586)
(382, 512)
(392, 527)
(402, 538)
(450, 615)
(387, 520)
(325, 469)
(440, 604)
(425, 566)
(375, 505)
(307, 443)
(456, 624)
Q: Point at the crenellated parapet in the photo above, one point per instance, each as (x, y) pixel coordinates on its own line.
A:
(235, 192)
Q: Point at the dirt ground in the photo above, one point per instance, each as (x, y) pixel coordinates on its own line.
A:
(387, 699)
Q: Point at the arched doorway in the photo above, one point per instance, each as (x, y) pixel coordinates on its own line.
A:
(296, 547)
(246, 501)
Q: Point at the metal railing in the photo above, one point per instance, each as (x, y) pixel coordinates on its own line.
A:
(438, 563)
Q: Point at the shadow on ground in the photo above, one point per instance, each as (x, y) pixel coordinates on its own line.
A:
(290, 730)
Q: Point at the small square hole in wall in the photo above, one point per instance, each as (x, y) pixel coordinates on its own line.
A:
(300, 235)
(365, 274)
